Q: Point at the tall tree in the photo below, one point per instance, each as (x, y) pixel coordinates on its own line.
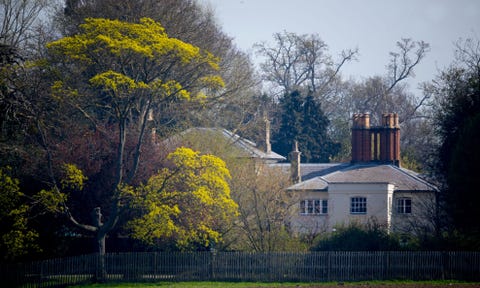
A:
(23, 92)
(118, 73)
(457, 92)
(166, 201)
(257, 188)
(20, 29)
(265, 209)
(380, 94)
(290, 115)
(301, 62)
(17, 237)
(20, 19)
(303, 120)
(233, 106)
(317, 144)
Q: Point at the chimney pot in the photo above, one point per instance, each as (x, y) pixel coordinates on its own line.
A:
(366, 120)
(268, 145)
(295, 163)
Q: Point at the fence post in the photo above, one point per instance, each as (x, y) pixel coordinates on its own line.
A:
(328, 266)
(445, 265)
(386, 275)
(213, 254)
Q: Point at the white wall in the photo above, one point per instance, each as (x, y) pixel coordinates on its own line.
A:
(310, 224)
(422, 216)
(379, 207)
(379, 199)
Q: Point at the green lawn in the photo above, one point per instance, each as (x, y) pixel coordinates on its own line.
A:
(197, 285)
(369, 284)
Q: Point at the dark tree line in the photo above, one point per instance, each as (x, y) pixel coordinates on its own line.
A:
(457, 123)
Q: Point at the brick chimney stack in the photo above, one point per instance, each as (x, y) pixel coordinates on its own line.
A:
(379, 143)
(361, 139)
(390, 139)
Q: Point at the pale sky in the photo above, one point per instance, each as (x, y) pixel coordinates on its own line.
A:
(374, 26)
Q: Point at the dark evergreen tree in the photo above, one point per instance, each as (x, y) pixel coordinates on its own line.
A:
(290, 123)
(458, 121)
(303, 120)
(314, 141)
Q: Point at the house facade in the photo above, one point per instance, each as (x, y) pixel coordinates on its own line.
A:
(371, 188)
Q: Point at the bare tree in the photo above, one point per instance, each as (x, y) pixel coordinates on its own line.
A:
(297, 62)
(19, 19)
(404, 61)
(380, 94)
(265, 208)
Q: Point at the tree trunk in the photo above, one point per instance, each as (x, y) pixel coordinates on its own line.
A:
(101, 271)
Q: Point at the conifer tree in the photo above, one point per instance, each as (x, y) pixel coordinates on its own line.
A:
(303, 120)
(314, 139)
(290, 123)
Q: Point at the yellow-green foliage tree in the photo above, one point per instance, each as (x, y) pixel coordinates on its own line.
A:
(17, 238)
(120, 73)
(189, 202)
(264, 205)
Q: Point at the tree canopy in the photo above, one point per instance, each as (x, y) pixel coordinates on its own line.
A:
(303, 120)
(17, 238)
(457, 119)
(117, 74)
(189, 202)
(233, 106)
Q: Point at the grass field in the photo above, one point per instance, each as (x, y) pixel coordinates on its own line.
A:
(371, 284)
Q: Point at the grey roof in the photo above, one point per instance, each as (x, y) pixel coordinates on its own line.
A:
(309, 171)
(316, 183)
(312, 170)
(249, 148)
(403, 179)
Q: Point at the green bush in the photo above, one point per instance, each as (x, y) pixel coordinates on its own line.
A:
(355, 237)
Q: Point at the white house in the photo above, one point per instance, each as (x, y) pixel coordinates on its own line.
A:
(373, 187)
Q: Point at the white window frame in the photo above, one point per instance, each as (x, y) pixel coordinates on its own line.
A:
(404, 205)
(358, 205)
(314, 207)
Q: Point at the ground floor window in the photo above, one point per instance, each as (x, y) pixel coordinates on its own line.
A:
(358, 205)
(314, 207)
(404, 205)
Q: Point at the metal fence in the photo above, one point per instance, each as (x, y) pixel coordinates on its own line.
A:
(240, 266)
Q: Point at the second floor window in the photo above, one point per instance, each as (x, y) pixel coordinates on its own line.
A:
(358, 205)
